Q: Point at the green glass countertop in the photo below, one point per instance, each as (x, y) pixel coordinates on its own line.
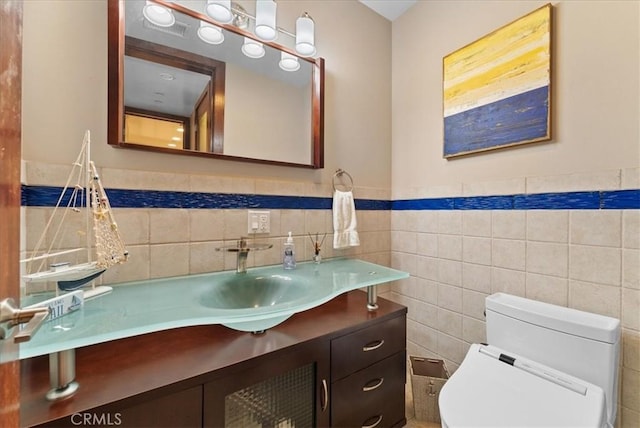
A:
(253, 301)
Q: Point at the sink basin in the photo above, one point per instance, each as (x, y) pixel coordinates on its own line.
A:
(244, 291)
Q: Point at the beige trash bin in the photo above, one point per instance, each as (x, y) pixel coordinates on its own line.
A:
(427, 379)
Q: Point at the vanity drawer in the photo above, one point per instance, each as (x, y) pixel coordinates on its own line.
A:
(374, 394)
(364, 347)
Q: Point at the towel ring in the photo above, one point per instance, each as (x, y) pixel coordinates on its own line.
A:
(339, 173)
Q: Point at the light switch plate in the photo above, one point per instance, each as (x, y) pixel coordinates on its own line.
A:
(259, 222)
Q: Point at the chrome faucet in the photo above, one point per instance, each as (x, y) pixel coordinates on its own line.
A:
(243, 252)
(243, 248)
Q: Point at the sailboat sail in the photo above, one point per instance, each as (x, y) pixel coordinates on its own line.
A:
(103, 244)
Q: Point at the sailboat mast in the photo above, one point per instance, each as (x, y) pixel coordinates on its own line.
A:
(87, 196)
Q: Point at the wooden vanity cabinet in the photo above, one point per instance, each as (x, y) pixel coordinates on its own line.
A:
(368, 375)
(354, 363)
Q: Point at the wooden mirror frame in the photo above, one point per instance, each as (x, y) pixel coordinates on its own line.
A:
(116, 53)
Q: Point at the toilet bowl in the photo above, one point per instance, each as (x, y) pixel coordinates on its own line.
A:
(544, 366)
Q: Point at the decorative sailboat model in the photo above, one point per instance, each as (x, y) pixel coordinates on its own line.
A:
(101, 240)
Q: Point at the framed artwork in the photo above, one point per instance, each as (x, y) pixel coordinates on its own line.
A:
(497, 90)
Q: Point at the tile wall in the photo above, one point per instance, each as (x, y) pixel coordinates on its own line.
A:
(587, 259)
(164, 242)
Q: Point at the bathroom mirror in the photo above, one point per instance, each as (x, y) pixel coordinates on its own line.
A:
(170, 91)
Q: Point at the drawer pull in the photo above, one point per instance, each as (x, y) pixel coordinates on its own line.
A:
(378, 383)
(325, 396)
(375, 424)
(372, 346)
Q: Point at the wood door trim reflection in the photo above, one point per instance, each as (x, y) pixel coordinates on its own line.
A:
(10, 152)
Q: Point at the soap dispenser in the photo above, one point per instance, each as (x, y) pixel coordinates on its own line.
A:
(289, 260)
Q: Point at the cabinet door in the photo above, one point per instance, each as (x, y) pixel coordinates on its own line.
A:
(177, 409)
(285, 387)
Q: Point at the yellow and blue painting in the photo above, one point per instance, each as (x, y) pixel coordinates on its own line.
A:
(496, 90)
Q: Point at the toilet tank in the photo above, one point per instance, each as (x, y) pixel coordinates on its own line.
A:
(579, 343)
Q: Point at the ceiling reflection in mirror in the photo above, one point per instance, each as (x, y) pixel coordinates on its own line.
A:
(183, 94)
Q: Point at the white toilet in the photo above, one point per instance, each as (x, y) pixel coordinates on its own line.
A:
(545, 365)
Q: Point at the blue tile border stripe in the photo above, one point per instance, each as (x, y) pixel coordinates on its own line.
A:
(46, 196)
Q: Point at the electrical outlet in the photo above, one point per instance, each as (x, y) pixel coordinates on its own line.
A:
(259, 222)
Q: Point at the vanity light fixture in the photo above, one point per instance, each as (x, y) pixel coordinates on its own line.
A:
(266, 20)
(305, 38)
(219, 10)
(265, 27)
(289, 62)
(210, 34)
(158, 14)
(252, 48)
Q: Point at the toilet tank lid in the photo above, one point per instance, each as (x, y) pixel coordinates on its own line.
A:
(560, 318)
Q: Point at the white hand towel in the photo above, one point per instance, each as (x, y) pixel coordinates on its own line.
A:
(344, 220)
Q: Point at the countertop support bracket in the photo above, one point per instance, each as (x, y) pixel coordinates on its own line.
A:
(62, 374)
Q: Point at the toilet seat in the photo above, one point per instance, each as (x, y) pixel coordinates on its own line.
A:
(495, 388)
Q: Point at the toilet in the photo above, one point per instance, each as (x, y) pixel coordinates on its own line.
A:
(544, 365)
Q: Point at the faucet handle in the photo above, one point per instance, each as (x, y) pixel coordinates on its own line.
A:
(11, 316)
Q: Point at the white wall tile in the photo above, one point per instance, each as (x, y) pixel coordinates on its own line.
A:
(168, 225)
(631, 229)
(167, 260)
(630, 312)
(206, 225)
(427, 244)
(630, 388)
(427, 221)
(476, 223)
(473, 330)
(476, 277)
(427, 268)
(476, 250)
(450, 348)
(509, 224)
(514, 186)
(450, 222)
(203, 257)
(548, 258)
(508, 281)
(545, 288)
(449, 322)
(631, 349)
(600, 180)
(595, 264)
(450, 247)
(450, 298)
(450, 272)
(590, 227)
(404, 241)
(631, 268)
(473, 304)
(218, 184)
(595, 298)
(548, 225)
(508, 254)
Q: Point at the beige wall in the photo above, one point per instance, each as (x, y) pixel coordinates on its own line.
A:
(584, 259)
(65, 91)
(595, 91)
